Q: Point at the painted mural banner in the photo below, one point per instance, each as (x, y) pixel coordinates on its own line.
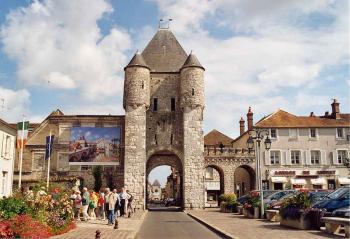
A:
(94, 146)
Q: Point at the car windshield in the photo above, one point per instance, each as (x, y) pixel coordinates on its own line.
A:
(338, 193)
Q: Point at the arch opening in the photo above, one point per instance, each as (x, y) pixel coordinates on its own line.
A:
(214, 185)
(164, 181)
(244, 178)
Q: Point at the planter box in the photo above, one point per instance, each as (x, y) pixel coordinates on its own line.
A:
(240, 210)
(247, 213)
(256, 213)
(226, 209)
(303, 223)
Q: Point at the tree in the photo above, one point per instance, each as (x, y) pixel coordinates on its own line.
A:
(97, 172)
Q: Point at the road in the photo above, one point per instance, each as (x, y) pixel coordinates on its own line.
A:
(172, 224)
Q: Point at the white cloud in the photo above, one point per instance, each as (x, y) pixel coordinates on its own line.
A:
(59, 44)
(14, 104)
(274, 53)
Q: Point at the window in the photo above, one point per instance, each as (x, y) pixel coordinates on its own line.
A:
(171, 139)
(172, 104)
(273, 133)
(315, 157)
(295, 157)
(155, 104)
(293, 133)
(192, 91)
(38, 161)
(209, 172)
(4, 183)
(155, 139)
(313, 133)
(7, 146)
(340, 134)
(341, 156)
(275, 157)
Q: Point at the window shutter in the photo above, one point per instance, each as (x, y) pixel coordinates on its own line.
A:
(323, 157)
(283, 156)
(307, 157)
(335, 157)
(288, 161)
(267, 157)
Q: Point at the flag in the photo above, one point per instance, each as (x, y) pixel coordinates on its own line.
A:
(49, 144)
(22, 131)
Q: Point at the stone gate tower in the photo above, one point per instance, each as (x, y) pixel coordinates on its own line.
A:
(164, 103)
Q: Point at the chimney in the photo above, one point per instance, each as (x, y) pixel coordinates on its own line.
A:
(241, 126)
(335, 109)
(250, 118)
(312, 114)
(326, 114)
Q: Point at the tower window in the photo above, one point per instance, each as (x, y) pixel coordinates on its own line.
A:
(142, 85)
(155, 104)
(192, 91)
(172, 104)
(155, 139)
(171, 139)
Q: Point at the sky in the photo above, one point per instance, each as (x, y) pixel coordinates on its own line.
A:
(268, 54)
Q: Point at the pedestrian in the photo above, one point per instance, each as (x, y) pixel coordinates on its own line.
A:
(77, 205)
(85, 203)
(101, 206)
(111, 199)
(117, 204)
(130, 198)
(93, 204)
(123, 202)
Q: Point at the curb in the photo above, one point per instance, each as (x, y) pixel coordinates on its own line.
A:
(219, 231)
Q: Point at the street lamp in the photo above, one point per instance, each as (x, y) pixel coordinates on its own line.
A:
(259, 135)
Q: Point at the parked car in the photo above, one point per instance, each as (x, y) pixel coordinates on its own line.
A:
(243, 199)
(278, 195)
(318, 196)
(338, 199)
(170, 202)
(342, 212)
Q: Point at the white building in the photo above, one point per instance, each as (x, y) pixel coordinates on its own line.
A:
(306, 151)
(7, 157)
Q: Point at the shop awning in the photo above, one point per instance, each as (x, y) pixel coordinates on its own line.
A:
(278, 179)
(318, 181)
(298, 181)
(344, 180)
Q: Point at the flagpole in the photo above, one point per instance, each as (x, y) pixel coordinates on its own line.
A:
(21, 157)
(48, 164)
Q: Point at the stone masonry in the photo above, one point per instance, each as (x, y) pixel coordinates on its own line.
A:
(164, 103)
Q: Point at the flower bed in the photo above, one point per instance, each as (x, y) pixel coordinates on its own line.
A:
(38, 214)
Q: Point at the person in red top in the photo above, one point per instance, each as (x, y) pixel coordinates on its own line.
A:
(101, 206)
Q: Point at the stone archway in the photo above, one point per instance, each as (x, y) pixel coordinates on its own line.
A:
(244, 178)
(214, 184)
(175, 180)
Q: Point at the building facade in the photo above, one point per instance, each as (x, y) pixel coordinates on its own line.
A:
(7, 158)
(306, 151)
(81, 143)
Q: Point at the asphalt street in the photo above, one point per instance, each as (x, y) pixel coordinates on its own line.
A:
(173, 224)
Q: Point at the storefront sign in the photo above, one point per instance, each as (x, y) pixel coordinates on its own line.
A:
(326, 172)
(284, 173)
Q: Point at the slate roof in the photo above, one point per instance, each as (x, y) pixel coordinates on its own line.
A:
(192, 61)
(284, 119)
(215, 137)
(137, 60)
(164, 53)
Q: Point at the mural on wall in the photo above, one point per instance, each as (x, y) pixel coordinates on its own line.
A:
(94, 145)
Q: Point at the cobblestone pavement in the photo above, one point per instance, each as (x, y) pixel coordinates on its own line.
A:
(128, 228)
(244, 228)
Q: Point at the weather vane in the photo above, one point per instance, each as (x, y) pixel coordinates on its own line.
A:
(164, 24)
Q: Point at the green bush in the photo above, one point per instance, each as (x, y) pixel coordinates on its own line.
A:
(10, 207)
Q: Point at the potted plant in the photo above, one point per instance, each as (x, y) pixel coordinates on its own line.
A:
(228, 202)
(251, 208)
(294, 212)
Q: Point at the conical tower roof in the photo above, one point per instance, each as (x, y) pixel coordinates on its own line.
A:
(164, 53)
(137, 60)
(192, 61)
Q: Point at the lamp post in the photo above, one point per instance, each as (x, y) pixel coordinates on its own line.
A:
(259, 135)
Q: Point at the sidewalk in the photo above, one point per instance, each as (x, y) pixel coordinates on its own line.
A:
(128, 227)
(237, 226)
